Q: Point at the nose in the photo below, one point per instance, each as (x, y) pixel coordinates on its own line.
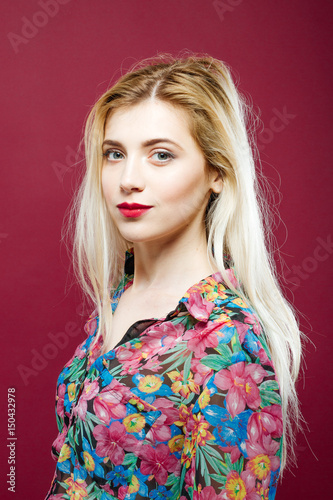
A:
(131, 178)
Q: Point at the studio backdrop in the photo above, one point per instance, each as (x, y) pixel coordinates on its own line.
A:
(58, 57)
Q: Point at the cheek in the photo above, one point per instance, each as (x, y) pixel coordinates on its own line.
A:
(107, 185)
(188, 193)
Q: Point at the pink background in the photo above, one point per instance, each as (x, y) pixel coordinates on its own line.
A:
(51, 76)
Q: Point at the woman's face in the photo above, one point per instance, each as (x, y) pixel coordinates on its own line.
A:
(151, 159)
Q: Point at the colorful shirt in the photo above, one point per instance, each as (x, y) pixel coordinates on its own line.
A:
(184, 407)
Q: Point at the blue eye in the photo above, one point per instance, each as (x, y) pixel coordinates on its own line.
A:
(163, 156)
(113, 155)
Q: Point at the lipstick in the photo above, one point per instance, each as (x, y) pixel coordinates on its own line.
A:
(133, 210)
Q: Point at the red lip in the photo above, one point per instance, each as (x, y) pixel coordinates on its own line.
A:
(133, 210)
(131, 206)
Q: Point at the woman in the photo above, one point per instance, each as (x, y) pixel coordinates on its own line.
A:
(185, 385)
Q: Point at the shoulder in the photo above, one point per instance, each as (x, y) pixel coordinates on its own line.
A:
(91, 324)
(226, 318)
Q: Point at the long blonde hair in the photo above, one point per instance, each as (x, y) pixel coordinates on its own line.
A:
(237, 221)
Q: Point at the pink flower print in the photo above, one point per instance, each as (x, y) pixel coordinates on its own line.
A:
(60, 400)
(240, 380)
(234, 451)
(122, 390)
(122, 492)
(159, 431)
(152, 341)
(90, 389)
(239, 486)
(59, 441)
(95, 352)
(201, 372)
(207, 493)
(153, 364)
(252, 320)
(157, 462)
(166, 407)
(79, 352)
(264, 359)
(106, 487)
(262, 457)
(199, 307)
(189, 477)
(130, 359)
(232, 277)
(241, 328)
(91, 324)
(168, 334)
(203, 335)
(266, 422)
(107, 405)
(112, 441)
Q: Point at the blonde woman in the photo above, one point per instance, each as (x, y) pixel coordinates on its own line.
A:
(185, 385)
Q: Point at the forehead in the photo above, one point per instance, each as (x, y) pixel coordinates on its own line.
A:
(149, 117)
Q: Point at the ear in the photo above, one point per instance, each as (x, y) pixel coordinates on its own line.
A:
(216, 181)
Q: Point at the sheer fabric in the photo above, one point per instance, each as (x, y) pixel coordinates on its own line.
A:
(184, 407)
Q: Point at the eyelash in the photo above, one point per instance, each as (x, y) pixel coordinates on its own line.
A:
(169, 155)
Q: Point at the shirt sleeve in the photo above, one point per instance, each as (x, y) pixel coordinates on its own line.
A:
(233, 435)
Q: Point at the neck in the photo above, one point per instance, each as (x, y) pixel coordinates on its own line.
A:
(171, 265)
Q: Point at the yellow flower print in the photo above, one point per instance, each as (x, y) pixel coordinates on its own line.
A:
(184, 415)
(235, 486)
(263, 493)
(134, 423)
(189, 452)
(77, 489)
(138, 344)
(239, 302)
(135, 401)
(149, 383)
(260, 466)
(89, 387)
(134, 486)
(204, 398)
(88, 461)
(65, 453)
(225, 319)
(173, 375)
(184, 387)
(71, 391)
(176, 443)
(212, 293)
(200, 434)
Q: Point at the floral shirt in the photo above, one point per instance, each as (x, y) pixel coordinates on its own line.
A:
(184, 407)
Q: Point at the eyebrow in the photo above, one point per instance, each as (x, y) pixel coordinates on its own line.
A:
(145, 144)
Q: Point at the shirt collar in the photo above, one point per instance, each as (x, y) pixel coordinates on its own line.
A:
(200, 299)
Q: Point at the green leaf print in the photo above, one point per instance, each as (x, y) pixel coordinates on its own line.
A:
(268, 394)
(215, 361)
